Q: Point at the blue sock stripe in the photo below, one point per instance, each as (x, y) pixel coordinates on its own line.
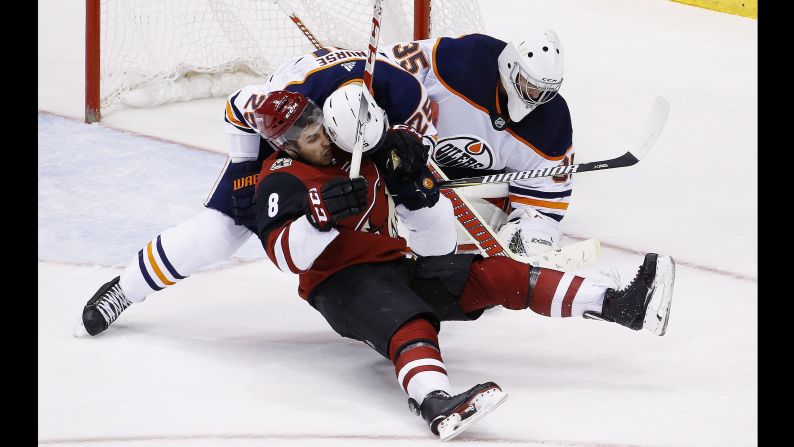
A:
(556, 217)
(167, 263)
(146, 276)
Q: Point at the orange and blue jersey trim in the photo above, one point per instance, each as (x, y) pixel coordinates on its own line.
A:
(234, 117)
(550, 142)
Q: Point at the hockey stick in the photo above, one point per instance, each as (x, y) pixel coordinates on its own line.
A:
(656, 122)
(366, 93)
(299, 23)
(565, 258)
(369, 71)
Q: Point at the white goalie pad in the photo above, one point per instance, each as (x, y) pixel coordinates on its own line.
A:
(567, 258)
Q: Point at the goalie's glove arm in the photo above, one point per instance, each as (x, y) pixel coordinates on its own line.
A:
(291, 242)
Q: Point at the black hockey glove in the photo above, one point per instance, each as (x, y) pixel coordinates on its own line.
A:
(244, 176)
(416, 193)
(339, 198)
(401, 155)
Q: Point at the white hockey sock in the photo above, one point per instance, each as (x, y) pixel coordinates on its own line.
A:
(178, 252)
(558, 294)
(420, 370)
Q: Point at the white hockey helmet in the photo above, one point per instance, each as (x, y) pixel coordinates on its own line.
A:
(340, 112)
(531, 72)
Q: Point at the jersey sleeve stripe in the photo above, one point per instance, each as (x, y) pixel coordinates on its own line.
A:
(540, 194)
(541, 203)
(233, 120)
(538, 151)
(280, 248)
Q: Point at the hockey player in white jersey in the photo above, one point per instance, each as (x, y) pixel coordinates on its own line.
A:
(228, 220)
(499, 110)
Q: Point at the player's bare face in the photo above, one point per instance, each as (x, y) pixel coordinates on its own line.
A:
(314, 145)
(527, 89)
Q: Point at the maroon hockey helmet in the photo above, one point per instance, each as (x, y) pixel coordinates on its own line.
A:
(283, 115)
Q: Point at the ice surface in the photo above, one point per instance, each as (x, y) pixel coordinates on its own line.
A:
(231, 356)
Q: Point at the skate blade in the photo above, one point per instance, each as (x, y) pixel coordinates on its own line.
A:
(79, 330)
(486, 402)
(658, 313)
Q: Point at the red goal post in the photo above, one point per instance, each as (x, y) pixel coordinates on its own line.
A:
(143, 53)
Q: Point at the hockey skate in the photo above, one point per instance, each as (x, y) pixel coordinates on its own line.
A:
(645, 302)
(102, 309)
(448, 416)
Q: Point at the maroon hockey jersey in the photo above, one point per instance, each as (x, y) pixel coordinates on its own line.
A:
(294, 245)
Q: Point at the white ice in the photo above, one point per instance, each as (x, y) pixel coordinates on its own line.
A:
(231, 356)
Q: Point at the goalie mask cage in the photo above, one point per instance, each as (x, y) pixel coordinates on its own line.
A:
(143, 53)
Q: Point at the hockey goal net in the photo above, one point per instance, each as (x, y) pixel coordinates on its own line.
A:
(143, 53)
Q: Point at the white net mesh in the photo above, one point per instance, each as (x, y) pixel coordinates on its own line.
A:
(158, 51)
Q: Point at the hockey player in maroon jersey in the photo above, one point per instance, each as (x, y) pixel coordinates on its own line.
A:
(338, 235)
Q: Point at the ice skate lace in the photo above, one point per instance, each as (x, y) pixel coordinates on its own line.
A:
(112, 303)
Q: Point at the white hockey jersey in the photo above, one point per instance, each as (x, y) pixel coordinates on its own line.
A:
(475, 133)
(316, 75)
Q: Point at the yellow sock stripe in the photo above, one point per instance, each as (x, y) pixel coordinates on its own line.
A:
(540, 203)
(156, 269)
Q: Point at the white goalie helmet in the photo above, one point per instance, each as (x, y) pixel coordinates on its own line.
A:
(531, 72)
(340, 118)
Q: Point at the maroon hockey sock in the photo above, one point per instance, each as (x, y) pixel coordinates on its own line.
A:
(547, 286)
(496, 281)
(500, 281)
(415, 341)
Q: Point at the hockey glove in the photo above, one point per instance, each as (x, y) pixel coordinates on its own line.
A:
(416, 193)
(339, 198)
(244, 176)
(401, 155)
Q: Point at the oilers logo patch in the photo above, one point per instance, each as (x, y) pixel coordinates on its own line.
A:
(281, 163)
(463, 151)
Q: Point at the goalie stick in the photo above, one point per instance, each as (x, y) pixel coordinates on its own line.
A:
(578, 255)
(656, 122)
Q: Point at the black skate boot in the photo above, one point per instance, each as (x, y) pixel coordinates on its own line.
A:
(645, 302)
(104, 307)
(448, 416)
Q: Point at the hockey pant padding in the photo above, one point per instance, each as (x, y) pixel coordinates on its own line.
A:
(178, 252)
(417, 359)
(370, 302)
